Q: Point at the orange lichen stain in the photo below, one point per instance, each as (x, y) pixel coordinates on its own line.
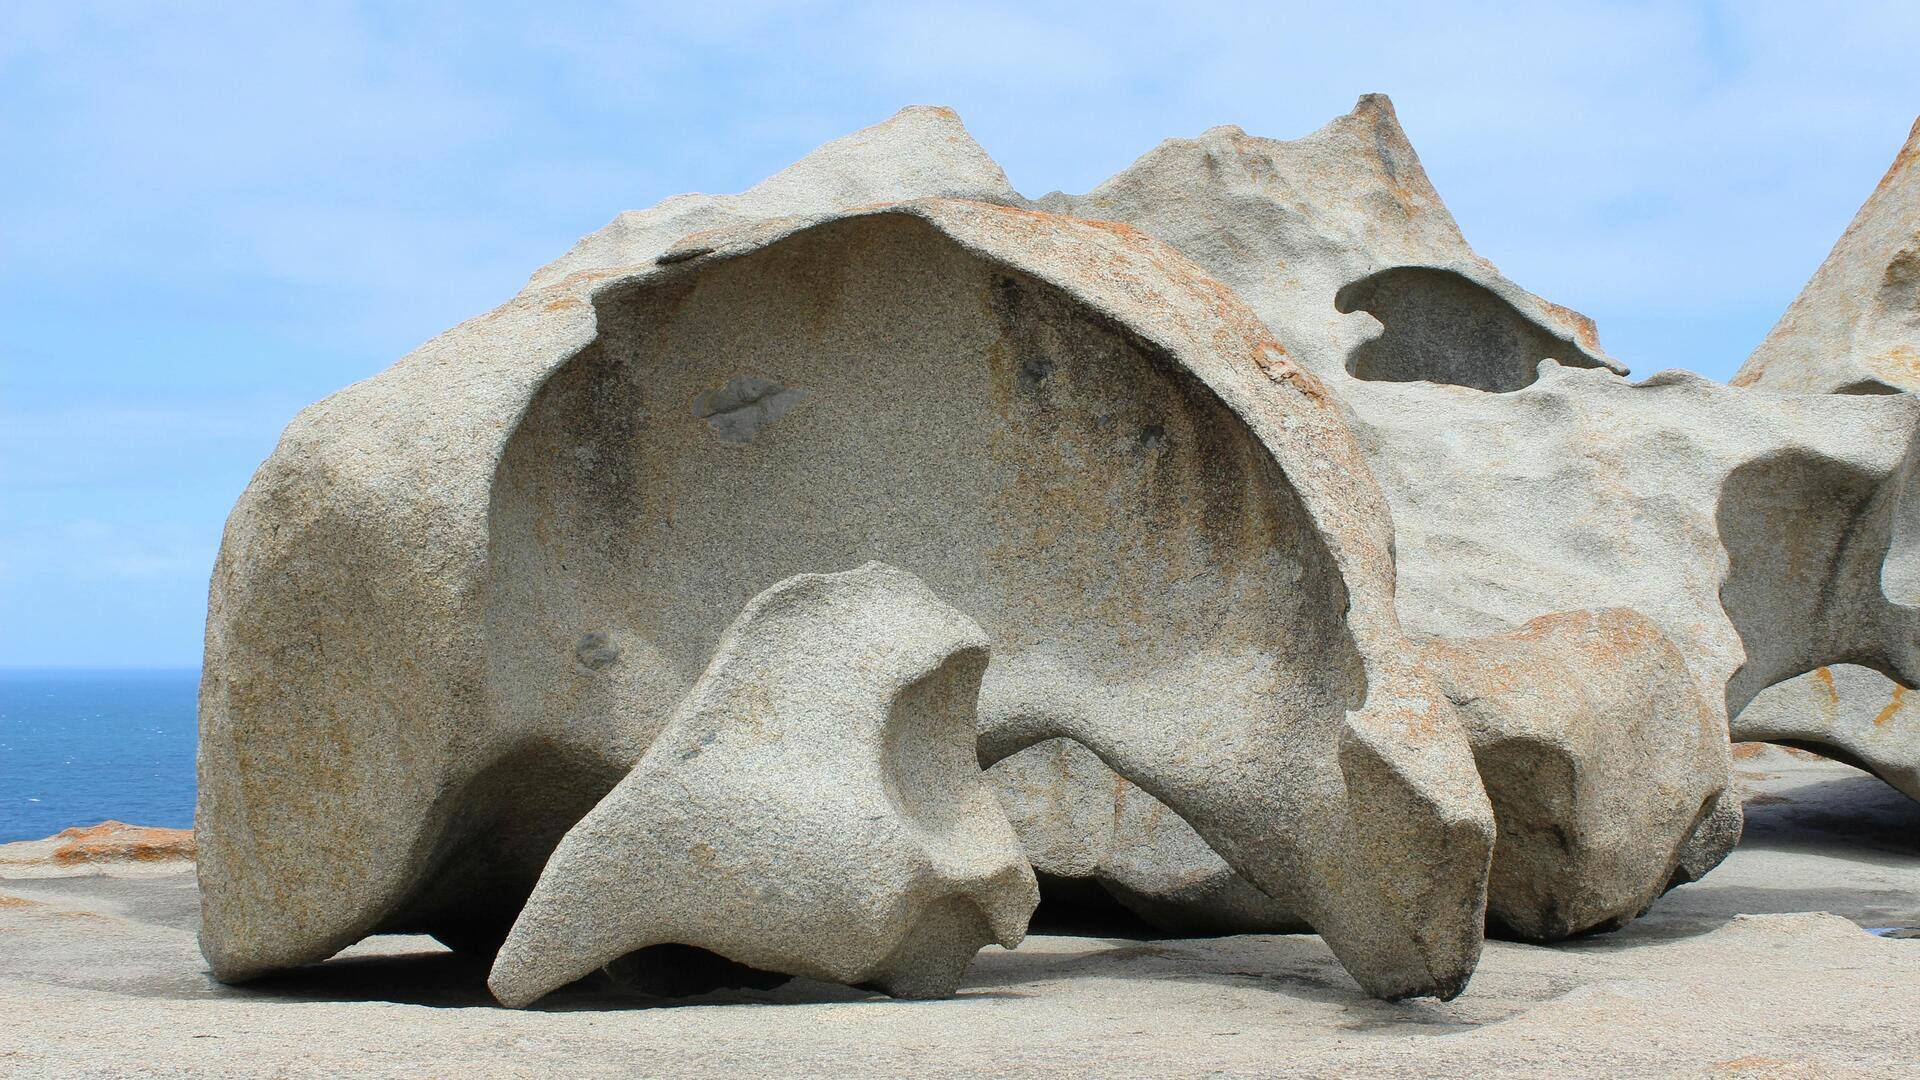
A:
(1585, 332)
(585, 277)
(1824, 676)
(114, 841)
(16, 902)
(1748, 750)
(1900, 364)
(1893, 704)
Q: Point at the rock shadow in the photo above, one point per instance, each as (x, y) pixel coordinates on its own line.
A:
(1441, 326)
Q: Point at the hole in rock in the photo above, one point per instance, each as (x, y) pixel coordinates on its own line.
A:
(1442, 327)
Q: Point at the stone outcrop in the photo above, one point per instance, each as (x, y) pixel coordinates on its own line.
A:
(1763, 534)
(456, 606)
(1339, 241)
(1295, 530)
(923, 152)
(1087, 828)
(814, 807)
(112, 847)
(1606, 769)
(1855, 329)
(1635, 495)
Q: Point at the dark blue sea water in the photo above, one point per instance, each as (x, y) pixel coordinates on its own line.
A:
(79, 747)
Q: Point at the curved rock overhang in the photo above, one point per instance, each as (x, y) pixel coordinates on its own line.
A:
(367, 628)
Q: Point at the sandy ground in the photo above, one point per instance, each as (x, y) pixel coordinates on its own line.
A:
(1765, 969)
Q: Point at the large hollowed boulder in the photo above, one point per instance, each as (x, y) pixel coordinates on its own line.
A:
(461, 600)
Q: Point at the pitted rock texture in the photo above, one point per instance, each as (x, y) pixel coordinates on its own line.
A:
(1764, 535)
(814, 807)
(1339, 241)
(1767, 535)
(459, 602)
(1635, 495)
(1855, 328)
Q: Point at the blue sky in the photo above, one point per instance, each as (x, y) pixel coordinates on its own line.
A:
(215, 214)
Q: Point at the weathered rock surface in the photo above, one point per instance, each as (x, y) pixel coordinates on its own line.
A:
(1848, 712)
(814, 807)
(1764, 534)
(923, 152)
(1855, 328)
(1602, 761)
(1339, 241)
(1607, 772)
(1573, 488)
(113, 847)
(1083, 824)
(457, 604)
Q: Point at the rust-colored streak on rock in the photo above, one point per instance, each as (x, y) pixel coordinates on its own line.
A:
(1825, 678)
(1900, 363)
(1747, 751)
(1893, 705)
(1585, 332)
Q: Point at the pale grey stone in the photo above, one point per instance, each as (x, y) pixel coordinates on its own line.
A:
(1854, 329)
(1607, 772)
(738, 410)
(814, 807)
(1339, 241)
(1848, 712)
(1081, 822)
(1764, 534)
(457, 605)
(1697, 988)
(1606, 767)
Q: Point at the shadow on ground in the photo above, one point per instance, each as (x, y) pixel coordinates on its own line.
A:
(1817, 839)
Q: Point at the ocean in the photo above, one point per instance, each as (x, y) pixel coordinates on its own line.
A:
(80, 747)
